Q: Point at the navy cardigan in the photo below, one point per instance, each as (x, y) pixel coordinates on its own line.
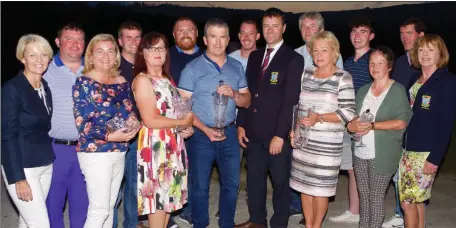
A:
(434, 115)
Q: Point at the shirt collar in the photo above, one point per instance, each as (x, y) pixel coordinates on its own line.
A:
(182, 51)
(278, 45)
(208, 60)
(408, 58)
(59, 63)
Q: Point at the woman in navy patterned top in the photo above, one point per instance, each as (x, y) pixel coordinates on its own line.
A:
(100, 95)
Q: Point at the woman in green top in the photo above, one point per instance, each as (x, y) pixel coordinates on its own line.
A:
(376, 161)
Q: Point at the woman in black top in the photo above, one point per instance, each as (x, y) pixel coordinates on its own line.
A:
(27, 154)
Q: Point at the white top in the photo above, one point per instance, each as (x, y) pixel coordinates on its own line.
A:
(373, 103)
(237, 55)
(42, 96)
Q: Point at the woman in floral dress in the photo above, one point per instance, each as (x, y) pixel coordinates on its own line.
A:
(100, 95)
(432, 97)
(162, 157)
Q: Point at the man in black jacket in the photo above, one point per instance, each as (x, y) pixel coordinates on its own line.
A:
(273, 75)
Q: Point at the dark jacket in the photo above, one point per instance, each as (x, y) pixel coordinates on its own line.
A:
(273, 97)
(434, 114)
(25, 127)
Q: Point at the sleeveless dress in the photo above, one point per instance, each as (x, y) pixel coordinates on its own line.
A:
(162, 159)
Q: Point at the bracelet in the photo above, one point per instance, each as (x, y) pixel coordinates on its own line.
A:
(106, 136)
(177, 123)
(321, 118)
(372, 125)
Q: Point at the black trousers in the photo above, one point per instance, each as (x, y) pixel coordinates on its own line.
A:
(260, 162)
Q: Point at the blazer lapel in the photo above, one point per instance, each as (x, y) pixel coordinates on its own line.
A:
(35, 103)
(274, 61)
(48, 96)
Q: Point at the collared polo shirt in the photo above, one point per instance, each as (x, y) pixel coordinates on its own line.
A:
(237, 55)
(201, 78)
(359, 70)
(308, 61)
(127, 70)
(60, 80)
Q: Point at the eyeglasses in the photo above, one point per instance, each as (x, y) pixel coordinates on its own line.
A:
(157, 49)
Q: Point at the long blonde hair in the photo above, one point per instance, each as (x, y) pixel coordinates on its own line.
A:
(88, 66)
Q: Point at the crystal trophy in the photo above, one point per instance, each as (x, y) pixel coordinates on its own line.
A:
(366, 117)
(220, 107)
(300, 111)
(182, 106)
(130, 124)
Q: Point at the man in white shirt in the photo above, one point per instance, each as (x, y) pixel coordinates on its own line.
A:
(248, 36)
(311, 23)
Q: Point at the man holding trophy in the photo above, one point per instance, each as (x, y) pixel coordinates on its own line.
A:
(216, 83)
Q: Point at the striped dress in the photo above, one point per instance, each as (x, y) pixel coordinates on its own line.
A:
(315, 166)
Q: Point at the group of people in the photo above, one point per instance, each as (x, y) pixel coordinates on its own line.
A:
(58, 143)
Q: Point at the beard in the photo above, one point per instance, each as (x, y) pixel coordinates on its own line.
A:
(186, 43)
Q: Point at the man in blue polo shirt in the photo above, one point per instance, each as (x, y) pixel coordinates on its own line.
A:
(361, 35)
(67, 179)
(199, 80)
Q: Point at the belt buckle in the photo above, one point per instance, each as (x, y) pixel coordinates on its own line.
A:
(68, 143)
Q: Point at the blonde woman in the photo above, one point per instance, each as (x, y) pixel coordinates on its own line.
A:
(100, 95)
(27, 155)
(315, 166)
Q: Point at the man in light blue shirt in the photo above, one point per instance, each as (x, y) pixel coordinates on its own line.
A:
(199, 80)
(248, 36)
(310, 24)
(67, 179)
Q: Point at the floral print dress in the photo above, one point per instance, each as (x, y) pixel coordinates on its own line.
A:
(414, 186)
(95, 104)
(162, 159)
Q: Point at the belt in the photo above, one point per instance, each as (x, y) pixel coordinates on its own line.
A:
(65, 142)
(230, 124)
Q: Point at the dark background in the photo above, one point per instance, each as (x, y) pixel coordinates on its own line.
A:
(45, 18)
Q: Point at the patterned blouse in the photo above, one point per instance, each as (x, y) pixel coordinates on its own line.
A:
(94, 104)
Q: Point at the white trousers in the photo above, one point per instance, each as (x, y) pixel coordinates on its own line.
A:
(103, 173)
(33, 214)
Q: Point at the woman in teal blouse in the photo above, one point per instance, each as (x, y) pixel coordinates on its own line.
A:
(377, 161)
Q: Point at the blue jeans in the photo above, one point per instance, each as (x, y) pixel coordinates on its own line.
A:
(296, 204)
(202, 155)
(130, 201)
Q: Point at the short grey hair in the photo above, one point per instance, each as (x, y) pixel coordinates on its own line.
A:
(313, 15)
(216, 22)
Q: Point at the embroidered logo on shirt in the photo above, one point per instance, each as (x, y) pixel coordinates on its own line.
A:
(425, 102)
(274, 77)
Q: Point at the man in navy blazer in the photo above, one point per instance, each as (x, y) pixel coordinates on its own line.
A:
(274, 78)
